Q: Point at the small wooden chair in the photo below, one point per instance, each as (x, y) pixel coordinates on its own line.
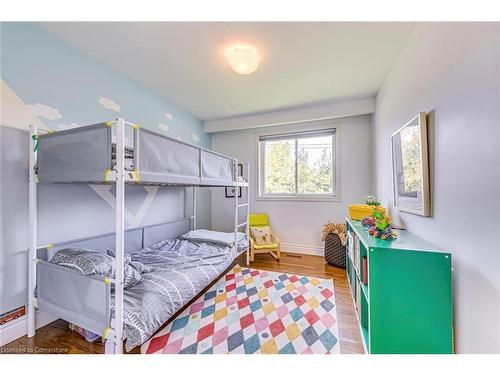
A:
(262, 220)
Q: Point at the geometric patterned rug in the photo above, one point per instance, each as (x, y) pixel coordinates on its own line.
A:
(253, 311)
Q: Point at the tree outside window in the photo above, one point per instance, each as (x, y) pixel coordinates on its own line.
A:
(298, 165)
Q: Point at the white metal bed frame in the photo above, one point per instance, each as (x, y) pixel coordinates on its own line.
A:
(114, 338)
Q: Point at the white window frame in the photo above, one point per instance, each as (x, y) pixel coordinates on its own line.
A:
(290, 130)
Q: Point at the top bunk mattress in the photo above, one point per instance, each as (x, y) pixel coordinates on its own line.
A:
(87, 155)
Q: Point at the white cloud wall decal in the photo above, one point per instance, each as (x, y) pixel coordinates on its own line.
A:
(179, 138)
(68, 126)
(196, 137)
(45, 111)
(109, 104)
(163, 127)
(169, 116)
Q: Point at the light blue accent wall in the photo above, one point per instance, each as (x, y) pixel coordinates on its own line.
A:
(43, 69)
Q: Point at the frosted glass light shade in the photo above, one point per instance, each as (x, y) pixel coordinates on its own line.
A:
(243, 59)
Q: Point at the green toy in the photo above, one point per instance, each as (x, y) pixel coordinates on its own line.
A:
(383, 224)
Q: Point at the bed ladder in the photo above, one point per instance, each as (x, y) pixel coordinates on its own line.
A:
(238, 205)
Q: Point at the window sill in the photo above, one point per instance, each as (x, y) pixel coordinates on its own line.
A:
(299, 199)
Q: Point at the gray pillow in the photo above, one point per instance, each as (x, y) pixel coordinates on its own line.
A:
(85, 261)
(89, 262)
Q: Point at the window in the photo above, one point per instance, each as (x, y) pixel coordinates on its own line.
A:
(297, 165)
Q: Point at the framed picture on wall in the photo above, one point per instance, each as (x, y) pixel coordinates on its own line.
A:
(230, 191)
(410, 167)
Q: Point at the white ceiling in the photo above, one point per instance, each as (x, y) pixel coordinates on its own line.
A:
(301, 62)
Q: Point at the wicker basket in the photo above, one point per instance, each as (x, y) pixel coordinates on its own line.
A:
(334, 251)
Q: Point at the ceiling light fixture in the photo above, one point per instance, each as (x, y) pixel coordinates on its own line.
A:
(243, 59)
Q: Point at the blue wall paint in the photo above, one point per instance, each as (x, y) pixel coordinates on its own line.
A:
(40, 68)
(43, 69)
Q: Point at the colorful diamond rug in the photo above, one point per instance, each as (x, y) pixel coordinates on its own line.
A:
(254, 311)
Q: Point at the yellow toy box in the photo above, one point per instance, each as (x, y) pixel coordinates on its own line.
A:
(359, 211)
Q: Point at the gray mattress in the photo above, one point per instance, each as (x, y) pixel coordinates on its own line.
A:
(182, 269)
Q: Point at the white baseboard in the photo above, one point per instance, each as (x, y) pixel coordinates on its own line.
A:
(302, 249)
(19, 327)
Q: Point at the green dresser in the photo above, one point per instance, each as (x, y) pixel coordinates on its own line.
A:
(402, 291)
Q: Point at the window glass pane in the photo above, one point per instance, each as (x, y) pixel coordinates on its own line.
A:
(279, 167)
(315, 165)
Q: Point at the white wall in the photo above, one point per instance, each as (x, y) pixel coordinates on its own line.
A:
(299, 224)
(346, 107)
(453, 71)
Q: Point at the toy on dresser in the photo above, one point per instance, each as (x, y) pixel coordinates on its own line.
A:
(380, 224)
(368, 221)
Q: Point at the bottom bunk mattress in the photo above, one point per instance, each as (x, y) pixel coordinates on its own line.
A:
(181, 270)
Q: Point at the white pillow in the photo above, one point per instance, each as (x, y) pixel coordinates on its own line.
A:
(205, 235)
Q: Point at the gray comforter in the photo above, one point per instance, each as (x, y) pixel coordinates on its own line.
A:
(181, 269)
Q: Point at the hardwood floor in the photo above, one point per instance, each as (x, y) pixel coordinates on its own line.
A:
(58, 338)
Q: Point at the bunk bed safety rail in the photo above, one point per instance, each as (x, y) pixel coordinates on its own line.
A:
(172, 230)
(135, 239)
(215, 167)
(162, 155)
(101, 243)
(87, 154)
(76, 298)
(80, 154)
(160, 158)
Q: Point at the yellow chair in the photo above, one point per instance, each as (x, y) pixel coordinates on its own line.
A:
(262, 220)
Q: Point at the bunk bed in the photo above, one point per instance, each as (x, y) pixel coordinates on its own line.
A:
(90, 155)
